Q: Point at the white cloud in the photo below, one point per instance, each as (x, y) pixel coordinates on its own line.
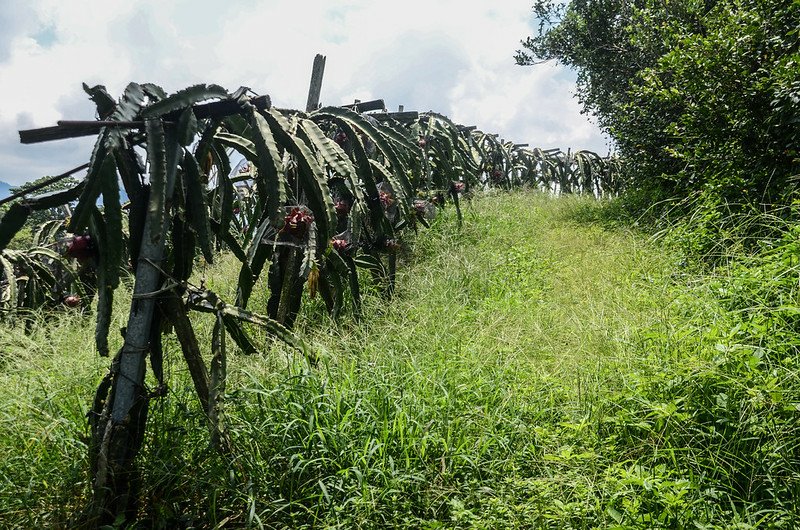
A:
(450, 56)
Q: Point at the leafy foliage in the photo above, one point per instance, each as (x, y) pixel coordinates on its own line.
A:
(698, 96)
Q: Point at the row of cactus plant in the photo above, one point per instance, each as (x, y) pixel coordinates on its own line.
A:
(320, 195)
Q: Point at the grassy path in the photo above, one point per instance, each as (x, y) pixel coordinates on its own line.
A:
(473, 400)
(459, 403)
(524, 294)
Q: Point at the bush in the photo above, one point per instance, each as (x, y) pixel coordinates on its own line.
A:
(699, 96)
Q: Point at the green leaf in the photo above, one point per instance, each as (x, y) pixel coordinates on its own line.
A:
(445, 123)
(112, 253)
(369, 262)
(390, 178)
(272, 327)
(224, 188)
(313, 178)
(257, 254)
(457, 204)
(228, 239)
(399, 135)
(203, 148)
(330, 286)
(153, 91)
(239, 335)
(12, 222)
(46, 232)
(184, 98)
(130, 103)
(380, 223)
(130, 170)
(11, 287)
(218, 377)
(208, 302)
(468, 155)
(183, 249)
(333, 155)
(55, 198)
(157, 161)
(271, 180)
(382, 138)
(196, 207)
(40, 269)
(92, 187)
(137, 212)
(187, 127)
(105, 291)
(219, 158)
(218, 362)
(241, 144)
(345, 266)
(102, 99)
(174, 157)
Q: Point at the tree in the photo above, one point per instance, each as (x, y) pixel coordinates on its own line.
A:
(700, 96)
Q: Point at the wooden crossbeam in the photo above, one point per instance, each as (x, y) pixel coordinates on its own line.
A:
(366, 106)
(76, 129)
(402, 117)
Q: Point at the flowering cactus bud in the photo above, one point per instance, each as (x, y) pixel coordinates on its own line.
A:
(386, 199)
(297, 222)
(392, 245)
(342, 208)
(72, 301)
(81, 248)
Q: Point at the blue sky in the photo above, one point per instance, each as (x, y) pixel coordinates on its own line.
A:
(454, 57)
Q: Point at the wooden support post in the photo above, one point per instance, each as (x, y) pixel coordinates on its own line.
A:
(402, 117)
(366, 106)
(400, 108)
(315, 89)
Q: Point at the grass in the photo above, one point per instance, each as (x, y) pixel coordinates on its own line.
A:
(534, 370)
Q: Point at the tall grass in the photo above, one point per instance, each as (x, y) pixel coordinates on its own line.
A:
(534, 370)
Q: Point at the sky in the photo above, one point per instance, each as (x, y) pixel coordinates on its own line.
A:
(453, 57)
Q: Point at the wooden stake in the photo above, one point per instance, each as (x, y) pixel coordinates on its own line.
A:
(315, 87)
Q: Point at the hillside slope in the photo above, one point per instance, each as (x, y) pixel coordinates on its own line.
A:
(534, 370)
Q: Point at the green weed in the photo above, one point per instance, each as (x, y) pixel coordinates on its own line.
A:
(537, 368)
